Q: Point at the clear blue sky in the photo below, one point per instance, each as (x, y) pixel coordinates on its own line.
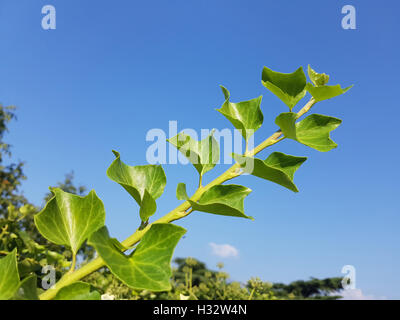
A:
(112, 70)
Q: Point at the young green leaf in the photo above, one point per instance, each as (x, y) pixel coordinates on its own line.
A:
(27, 289)
(144, 183)
(313, 131)
(148, 267)
(289, 87)
(9, 277)
(326, 92)
(320, 91)
(246, 116)
(181, 193)
(226, 200)
(278, 168)
(78, 291)
(68, 219)
(319, 79)
(203, 154)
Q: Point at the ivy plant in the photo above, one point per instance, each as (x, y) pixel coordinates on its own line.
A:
(142, 261)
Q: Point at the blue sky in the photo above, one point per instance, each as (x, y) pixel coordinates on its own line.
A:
(114, 70)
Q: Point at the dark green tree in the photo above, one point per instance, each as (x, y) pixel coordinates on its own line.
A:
(325, 289)
(11, 175)
(17, 228)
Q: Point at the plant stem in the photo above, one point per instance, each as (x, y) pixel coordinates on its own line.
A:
(251, 294)
(73, 264)
(179, 212)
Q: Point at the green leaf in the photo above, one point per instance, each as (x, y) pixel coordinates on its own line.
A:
(313, 131)
(27, 289)
(78, 291)
(289, 87)
(9, 277)
(278, 168)
(144, 183)
(181, 193)
(68, 219)
(246, 116)
(148, 267)
(319, 79)
(226, 200)
(203, 154)
(320, 91)
(326, 92)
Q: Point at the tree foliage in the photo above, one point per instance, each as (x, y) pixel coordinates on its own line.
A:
(191, 279)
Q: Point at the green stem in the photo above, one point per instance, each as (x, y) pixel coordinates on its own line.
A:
(251, 294)
(73, 264)
(178, 213)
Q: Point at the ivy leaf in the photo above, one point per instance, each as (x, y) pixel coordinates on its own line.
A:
(320, 91)
(203, 154)
(226, 200)
(313, 131)
(68, 219)
(181, 193)
(144, 183)
(78, 291)
(148, 267)
(289, 87)
(9, 277)
(27, 289)
(246, 116)
(278, 168)
(319, 79)
(326, 92)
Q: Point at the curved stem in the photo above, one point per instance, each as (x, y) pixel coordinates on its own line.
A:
(179, 212)
(73, 264)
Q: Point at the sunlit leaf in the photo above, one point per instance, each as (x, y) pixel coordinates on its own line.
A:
(144, 183)
(313, 131)
(326, 92)
(9, 277)
(278, 168)
(148, 267)
(68, 219)
(78, 291)
(181, 193)
(320, 91)
(319, 79)
(246, 116)
(289, 87)
(226, 200)
(203, 154)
